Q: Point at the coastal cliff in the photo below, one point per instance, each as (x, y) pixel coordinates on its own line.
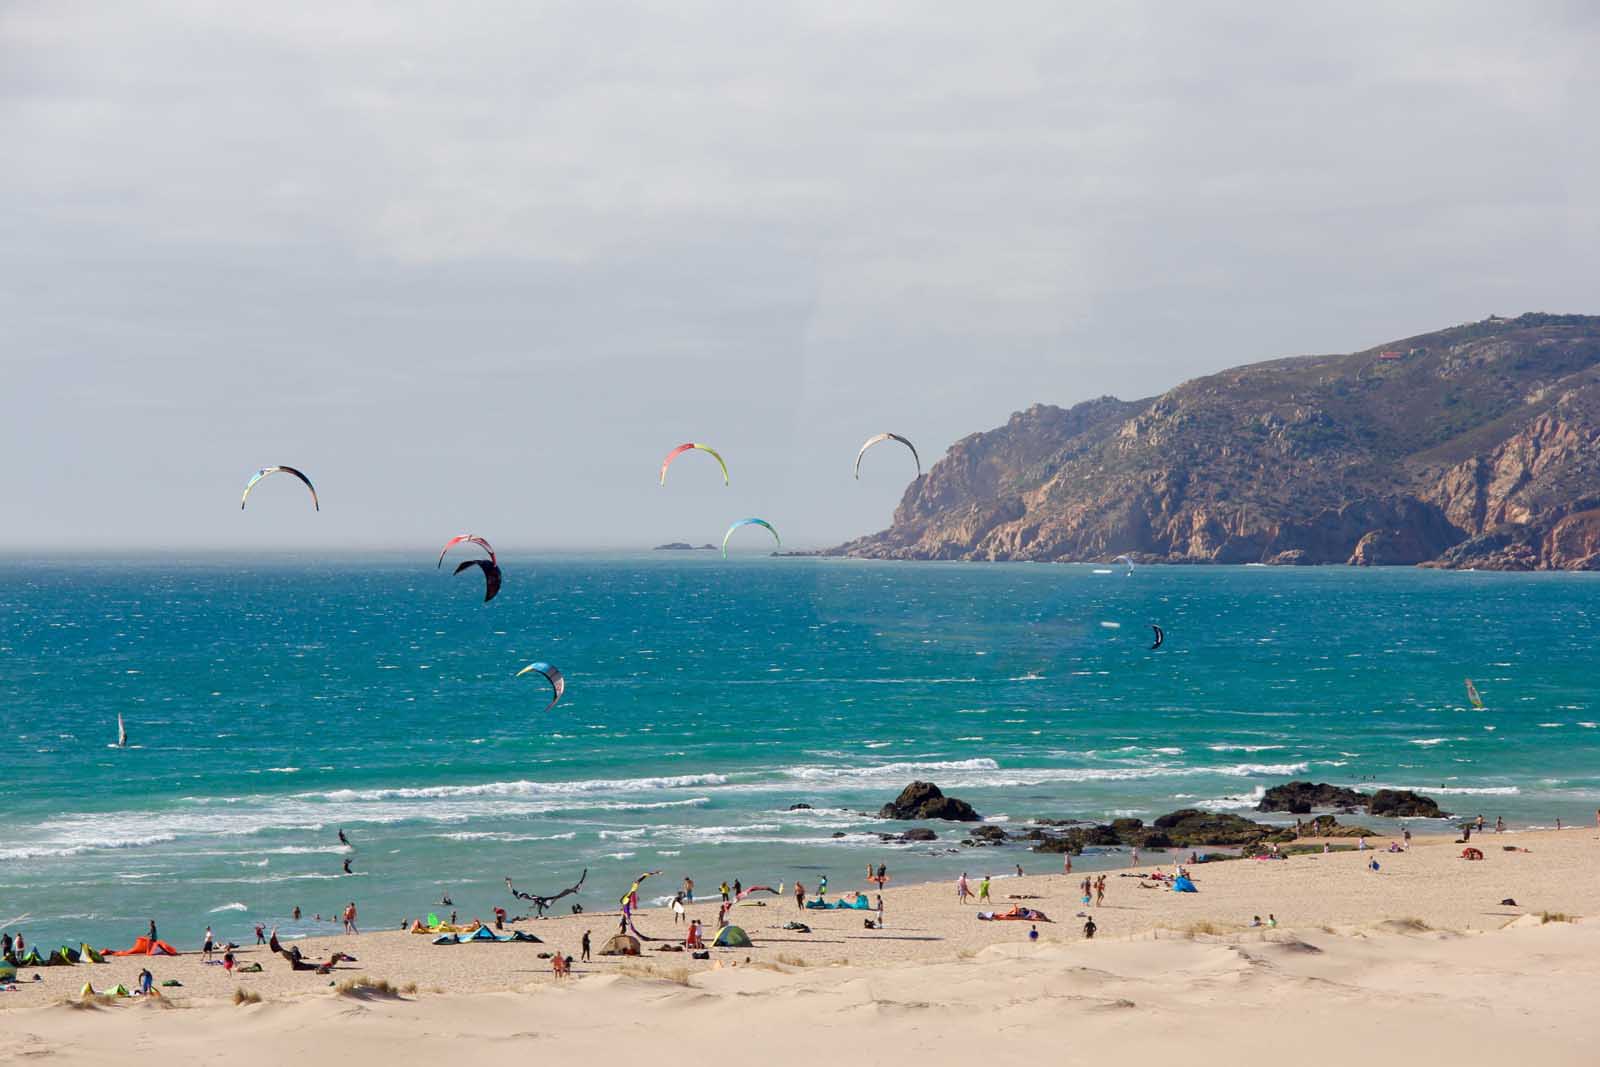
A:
(1476, 446)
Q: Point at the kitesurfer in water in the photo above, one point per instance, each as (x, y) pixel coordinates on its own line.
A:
(347, 869)
(343, 840)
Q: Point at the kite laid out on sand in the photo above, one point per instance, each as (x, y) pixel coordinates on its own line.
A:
(265, 471)
(888, 437)
(688, 447)
(749, 522)
(551, 675)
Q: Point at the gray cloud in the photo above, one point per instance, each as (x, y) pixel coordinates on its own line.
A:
(479, 266)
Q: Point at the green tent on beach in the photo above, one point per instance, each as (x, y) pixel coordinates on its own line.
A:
(732, 937)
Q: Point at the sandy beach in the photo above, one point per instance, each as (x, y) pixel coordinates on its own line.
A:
(1425, 936)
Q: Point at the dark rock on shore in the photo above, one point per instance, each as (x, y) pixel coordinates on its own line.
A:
(1404, 804)
(684, 546)
(1190, 827)
(1300, 798)
(987, 835)
(924, 800)
(802, 806)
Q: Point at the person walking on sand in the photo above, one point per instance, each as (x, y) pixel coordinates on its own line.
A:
(983, 889)
(350, 918)
(1033, 933)
(800, 896)
(677, 909)
(1089, 928)
(1100, 891)
(1133, 858)
(586, 946)
(962, 891)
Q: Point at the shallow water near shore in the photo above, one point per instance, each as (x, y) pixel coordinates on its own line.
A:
(270, 702)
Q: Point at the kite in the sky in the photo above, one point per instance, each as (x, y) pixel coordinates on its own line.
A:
(473, 539)
(540, 903)
(888, 437)
(491, 576)
(265, 471)
(749, 522)
(681, 449)
(557, 682)
(1161, 637)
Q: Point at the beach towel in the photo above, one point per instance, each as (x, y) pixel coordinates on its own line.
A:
(1181, 884)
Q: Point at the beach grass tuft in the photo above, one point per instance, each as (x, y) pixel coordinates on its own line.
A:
(791, 961)
(1546, 917)
(363, 987)
(246, 996)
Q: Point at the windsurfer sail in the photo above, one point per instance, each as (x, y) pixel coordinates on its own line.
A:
(1472, 694)
(122, 732)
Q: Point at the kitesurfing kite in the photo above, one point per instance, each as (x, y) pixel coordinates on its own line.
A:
(631, 897)
(551, 675)
(491, 575)
(540, 903)
(473, 539)
(888, 437)
(1125, 559)
(749, 522)
(1160, 637)
(265, 471)
(681, 449)
(1472, 695)
(749, 889)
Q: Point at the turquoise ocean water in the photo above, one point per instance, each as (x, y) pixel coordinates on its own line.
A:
(271, 702)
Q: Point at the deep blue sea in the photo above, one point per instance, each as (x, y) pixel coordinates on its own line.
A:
(271, 702)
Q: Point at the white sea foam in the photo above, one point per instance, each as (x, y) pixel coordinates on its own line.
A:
(1428, 742)
(1243, 748)
(1236, 801)
(235, 906)
(522, 788)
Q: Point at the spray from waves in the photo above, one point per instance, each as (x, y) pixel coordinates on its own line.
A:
(1243, 748)
(78, 848)
(1236, 802)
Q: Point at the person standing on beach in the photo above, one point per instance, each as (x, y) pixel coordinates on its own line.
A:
(822, 888)
(1100, 891)
(738, 888)
(350, 919)
(1089, 928)
(688, 889)
(205, 949)
(962, 892)
(983, 889)
(152, 934)
(1500, 822)
(261, 934)
(1133, 858)
(724, 890)
(880, 911)
(800, 896)
(1066, 862)
(586, 946)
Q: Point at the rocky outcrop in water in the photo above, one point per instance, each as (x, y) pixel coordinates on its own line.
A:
(1404, 804)
(1301, 798)
(924, 800)
(1475, 446)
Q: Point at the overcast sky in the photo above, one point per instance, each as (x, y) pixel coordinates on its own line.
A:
(478, 266)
